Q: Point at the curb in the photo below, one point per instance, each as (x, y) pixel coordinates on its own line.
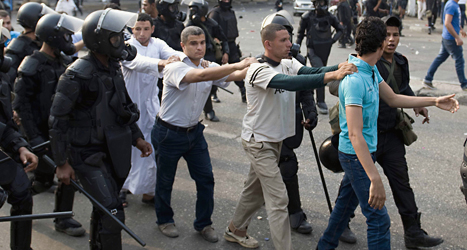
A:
(460, 96)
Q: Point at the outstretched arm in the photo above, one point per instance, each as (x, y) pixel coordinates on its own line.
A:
(215, 73)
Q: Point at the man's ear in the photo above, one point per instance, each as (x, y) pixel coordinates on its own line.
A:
(267, 45)
(152, 28)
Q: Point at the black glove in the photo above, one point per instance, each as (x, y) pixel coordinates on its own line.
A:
(311, 121)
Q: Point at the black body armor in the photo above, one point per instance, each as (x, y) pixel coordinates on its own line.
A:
(92, 108)
(17, 50)
(169, 32)
(227, 20)
(37, 80)
(318, 29)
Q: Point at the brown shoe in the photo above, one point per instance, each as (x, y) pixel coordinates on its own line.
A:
(169, 230)
(209, 234)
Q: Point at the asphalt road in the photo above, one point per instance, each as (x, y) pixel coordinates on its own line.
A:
(433, 160)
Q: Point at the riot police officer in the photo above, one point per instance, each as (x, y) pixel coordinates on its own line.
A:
(34, 87)
(93, 122)
(13, 177)
(225, 17)
(316, 25)
(168, 25)
(288, 164)
(198, 17)
(26, 43)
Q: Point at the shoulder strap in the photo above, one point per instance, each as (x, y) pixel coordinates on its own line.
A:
(391, 79)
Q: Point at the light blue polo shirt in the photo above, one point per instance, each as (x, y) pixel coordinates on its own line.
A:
(360, 89)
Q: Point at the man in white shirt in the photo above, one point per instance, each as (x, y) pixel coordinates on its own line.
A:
(141, 77)
(178, 132)
(270, 118)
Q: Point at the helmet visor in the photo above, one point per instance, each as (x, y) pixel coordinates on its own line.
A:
(70, 23)
(5, 33)
(116, 20)
(188, 2)
(47, 10)
(287, 16)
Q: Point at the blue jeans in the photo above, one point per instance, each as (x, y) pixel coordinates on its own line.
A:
(169, 147)
(355, 190)
(448, 48)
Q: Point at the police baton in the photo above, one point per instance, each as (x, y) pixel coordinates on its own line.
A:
(323, 181)
(37, 216)
(96, 203)
(226, 90)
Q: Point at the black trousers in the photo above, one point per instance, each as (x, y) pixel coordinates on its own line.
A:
(390, 155)
(318, 57)
(234, 57)
(345, 38)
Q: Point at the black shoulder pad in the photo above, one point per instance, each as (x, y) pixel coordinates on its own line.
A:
(17, 45)
(306, 15)
(29, 66)
(67, 60)
(213, 22)
(82, 68)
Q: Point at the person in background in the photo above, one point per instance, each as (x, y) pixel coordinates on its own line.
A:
(5, 16)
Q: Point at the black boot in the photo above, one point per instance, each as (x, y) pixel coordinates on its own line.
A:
(243, 94)
(21, 231)
(64, 197)
(298, 223)
(212, 116)
(415, 236)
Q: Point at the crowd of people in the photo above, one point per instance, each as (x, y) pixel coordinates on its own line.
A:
(142, 71)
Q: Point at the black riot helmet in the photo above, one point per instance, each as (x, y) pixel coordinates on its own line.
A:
(103, 33)
(225, 5)
(5, 62)
(169, 9)
(197, 9)
(56, 30)
(281, 17)
(328, 154)
(321, 7)
(30, 13)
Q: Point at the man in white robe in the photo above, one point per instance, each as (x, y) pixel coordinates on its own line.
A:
(141, 77)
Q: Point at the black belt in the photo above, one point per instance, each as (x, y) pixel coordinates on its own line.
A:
(175, 128)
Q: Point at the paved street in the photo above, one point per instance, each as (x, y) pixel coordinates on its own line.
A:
(433, 160)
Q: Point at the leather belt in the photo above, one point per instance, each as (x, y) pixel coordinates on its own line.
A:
(173, 127)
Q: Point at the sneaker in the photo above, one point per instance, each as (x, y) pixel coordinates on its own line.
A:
(428, 85)
(215, 99)
(348, 236)
(169, 230)
(246, 241)
(322, 108)
(70, 227)
(209, 234)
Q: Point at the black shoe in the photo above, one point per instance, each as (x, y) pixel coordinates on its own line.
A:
(415, 236)
(429, 30)
(211, 116)
(299, 224)
(348, 236)
(150, 202)
(69, 226)
(342, 46)
(214, 98)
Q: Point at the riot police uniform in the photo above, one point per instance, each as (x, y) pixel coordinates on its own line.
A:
(199, 9)
(288, 164)
(225, 17)
(23, 46)
(13, 178)
(316, 25)
(168, 28)
(93, 121)
(37, 79)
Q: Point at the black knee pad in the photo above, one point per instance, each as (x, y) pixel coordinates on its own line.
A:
(24, 206)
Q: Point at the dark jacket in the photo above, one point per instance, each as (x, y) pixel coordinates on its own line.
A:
(318, 29)
(227, 20)
(169, 32)
(387, 115)
(344, 13)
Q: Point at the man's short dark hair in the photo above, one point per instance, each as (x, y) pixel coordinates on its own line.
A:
(143, 17)
(269, 32)
(371, 33)
(190, 31)
(151, 1)
(113, 6)
(4, 13)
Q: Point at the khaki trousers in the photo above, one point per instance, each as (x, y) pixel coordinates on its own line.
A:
(264, 185)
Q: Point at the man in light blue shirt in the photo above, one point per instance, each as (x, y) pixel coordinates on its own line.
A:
(358, 114)
(451, 45)
(5, 16)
